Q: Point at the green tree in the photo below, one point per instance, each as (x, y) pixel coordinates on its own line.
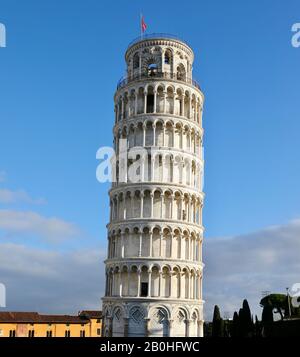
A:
(278, 303)
(257, 327)
(247, 319)
(267, 318)
(235, 325)
(267, 314)
(218, 324)
(245, 323)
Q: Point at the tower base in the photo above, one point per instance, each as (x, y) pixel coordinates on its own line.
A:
(132, 318)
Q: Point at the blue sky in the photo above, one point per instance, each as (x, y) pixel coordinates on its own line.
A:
(58, 77)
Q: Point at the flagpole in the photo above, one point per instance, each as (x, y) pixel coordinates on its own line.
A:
(141, 30)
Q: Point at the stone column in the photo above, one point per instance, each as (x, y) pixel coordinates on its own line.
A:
(160, 244)
(122, 109)
(189, 210)
(200, 328)
(179, 285)
(145, 102)
(141, 243)
(173, 109)
(170, 285)
(200, 116)
(112, 286)
(181, 140)
(188, 323)
(152, 169)
(108, 247)
(165, 99)
(109, 322)
(139, 284)
(117, 112)
(120, 283)
(150, 243)
(113, 209)
(201, 278)
(201, 242)
(140, 65)
(153, 127)
(162, 167)
(170, 321)
(151, 205)
(122, 245)
(112, 247)
(132, 204)
(180, 248)
(126, 326)
(136, 104)
(160, 283)
(163, 61)
(144, 135)
(172, 203)
(142, 204)
(149, 283)
(128, 284)
(117, 209)
(155, 99)
(147, 323)
(106, 284)
(182, 291)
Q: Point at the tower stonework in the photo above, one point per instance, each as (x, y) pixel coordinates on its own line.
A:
(154, 264)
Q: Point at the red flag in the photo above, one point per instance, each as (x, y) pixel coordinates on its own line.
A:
(143, 24)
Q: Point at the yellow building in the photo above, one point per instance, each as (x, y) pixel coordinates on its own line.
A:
(32, 324)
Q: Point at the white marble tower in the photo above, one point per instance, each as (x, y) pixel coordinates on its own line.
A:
(154, 265)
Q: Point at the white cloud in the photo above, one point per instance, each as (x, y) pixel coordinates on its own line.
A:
(9, 196)
(23, 222)
(51, 282)
(236, 268)
(244, 266)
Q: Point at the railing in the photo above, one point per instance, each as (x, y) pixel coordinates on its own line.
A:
(156, 36)
(153, 75)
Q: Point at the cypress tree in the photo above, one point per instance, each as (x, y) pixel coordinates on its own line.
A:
(267, 319)
(267, 314)
(235, 325)
(242, 327)
(247, 319)
(257, 327)
(217, 325)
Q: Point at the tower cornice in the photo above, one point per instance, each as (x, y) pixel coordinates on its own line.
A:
(158, 40)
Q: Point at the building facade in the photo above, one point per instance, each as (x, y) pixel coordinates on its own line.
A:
(154, 265)
(33, 324)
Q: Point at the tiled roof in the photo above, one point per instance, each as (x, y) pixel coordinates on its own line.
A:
(34, 317)
(92, 314)
(19, 316)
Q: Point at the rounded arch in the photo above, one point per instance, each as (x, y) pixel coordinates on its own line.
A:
(118, 315)
(159, 316)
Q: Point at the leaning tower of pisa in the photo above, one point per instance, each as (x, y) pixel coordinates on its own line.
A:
(154, 263)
